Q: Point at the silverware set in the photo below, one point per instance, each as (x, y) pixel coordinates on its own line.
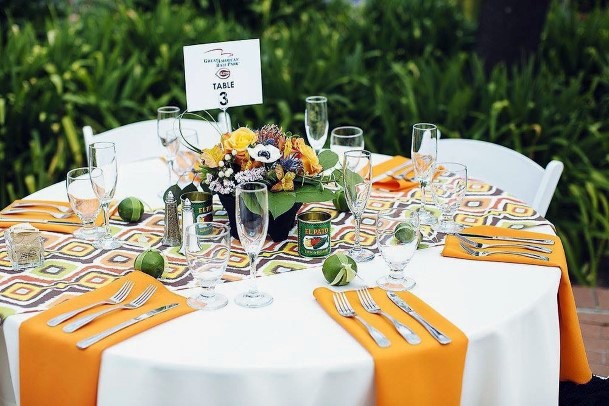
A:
(478, 249)
(345, 309)
(58, 207)
(398, 173)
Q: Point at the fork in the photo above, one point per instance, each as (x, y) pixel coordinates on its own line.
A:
(134, 304)
(118, 297)
(371, 307)
(344, 309)
(477, 244)
(62, 209)
(56, 215)
(401, 176)
(476, 253)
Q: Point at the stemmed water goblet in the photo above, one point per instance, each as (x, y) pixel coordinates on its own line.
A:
(424, 153)
(168, 135)
(207, 249)
(103, 172)
(397, 238)
(252, 219)
(347, 138)
(84, 202)
(357, 172)
(448, 190)
(316, 121)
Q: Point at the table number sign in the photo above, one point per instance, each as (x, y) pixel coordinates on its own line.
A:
(222, 75)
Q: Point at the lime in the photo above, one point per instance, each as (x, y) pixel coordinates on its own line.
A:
(339, 269)
(404, 232)
(150, 262)
(340, 202)
(131, 209)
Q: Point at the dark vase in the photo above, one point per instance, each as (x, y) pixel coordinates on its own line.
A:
(279, 228)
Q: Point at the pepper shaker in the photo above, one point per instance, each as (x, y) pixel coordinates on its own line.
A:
(171, 235)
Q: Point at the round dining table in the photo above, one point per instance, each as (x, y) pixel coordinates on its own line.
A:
(292, 353)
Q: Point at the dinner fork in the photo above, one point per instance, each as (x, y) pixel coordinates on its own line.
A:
(134, 304)
(62, 209)
(476, 253)
(21, 211)
(371, 307)
(344, 309)
(118, 297)
(477, 244)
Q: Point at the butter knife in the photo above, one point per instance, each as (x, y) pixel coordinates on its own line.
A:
(437, 334)
(513, 239)
(87, 342)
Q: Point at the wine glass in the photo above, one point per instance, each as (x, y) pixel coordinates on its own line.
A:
(84, 202)
(316, 121)
(166, 117)
(103, 173)
(397, 237)
(207, 249)
(424, 153)
(357, 171)
(252, 219)
(448, 189)
(185, 158)
(348, 138)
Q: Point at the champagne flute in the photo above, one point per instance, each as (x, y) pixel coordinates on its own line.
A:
(397, 238)
(103, 173)
(316, 121)
(252, 219)
(357, 171)
(424, 153)
(448, 189)
(166, 117)
(84, 202)
(207, 252)
(343, 139)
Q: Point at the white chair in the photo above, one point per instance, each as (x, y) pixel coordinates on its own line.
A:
(507, 169)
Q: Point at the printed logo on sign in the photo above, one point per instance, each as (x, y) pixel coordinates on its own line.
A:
(223, 73)
(221, 58)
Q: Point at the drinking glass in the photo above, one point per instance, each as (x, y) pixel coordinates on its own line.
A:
(207, 252)
(185, 158)
(343, 139)
(252, 218)
(357, 171)
(448, 189)
(424, 153)
(165, 121)
(103, 173)
(316, 121)
(84, 202)
(397, 237)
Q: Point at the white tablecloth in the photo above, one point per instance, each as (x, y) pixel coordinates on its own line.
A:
(293, 353)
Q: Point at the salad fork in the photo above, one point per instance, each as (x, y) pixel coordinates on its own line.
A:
(477, 244)
(344, 309)
(22, 211)
(118, 297)
(477, 253)
(134, 304)
(62, 209)
(371, 307)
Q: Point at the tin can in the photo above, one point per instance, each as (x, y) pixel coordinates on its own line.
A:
(314, 234)
(202, 205)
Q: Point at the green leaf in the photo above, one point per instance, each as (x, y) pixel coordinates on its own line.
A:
(312, 193)
(350, 180)
(252, 202)
(328, 159)
(281, 202)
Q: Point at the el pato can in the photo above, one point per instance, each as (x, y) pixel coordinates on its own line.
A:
(314, 234)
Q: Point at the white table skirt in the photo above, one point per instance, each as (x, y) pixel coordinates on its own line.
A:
(293, 353)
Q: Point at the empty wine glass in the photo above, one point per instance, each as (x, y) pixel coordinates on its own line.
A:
(343, 139)
(207, 249)
(252, 219)
(165, 121)
(103, 172)
(424, 153)
(84, 202)
(316, 121)
(357, 171)
(448, 189)
(397, 238)
(185, 158)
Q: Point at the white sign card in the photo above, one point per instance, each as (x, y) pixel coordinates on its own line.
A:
(223, 74)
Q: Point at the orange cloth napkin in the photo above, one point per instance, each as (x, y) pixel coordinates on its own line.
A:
(573, 360)
(389, 183)
(52, 369)
(405, 373)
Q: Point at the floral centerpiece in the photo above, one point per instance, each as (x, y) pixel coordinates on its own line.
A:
(292, 171)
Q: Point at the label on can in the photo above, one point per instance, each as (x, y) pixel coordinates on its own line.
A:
(202, 206)
(314, 234)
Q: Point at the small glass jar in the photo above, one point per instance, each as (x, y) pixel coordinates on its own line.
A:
(24, 245)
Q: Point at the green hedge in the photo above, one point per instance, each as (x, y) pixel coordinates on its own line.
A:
(384, 65)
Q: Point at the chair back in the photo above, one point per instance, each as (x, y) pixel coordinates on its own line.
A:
(505, 168)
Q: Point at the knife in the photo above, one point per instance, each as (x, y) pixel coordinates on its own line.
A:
(513, 239)
(98, 337)
(437, 334)
(40, 221)
(391, 171)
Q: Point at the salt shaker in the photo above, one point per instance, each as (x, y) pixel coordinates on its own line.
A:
(187, 220)
(171, 235)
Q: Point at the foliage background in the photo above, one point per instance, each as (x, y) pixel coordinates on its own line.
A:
(383, 64)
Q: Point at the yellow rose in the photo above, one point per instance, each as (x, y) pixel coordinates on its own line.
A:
(310, 162)
(238, 140)
(212, 156)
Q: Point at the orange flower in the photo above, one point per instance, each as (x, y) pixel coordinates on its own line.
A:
(238, 140)
(309, 159)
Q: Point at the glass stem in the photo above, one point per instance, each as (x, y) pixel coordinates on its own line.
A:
(423, 195)
(253, 291)
(105, 208)
(170, 169)
(357, 246)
